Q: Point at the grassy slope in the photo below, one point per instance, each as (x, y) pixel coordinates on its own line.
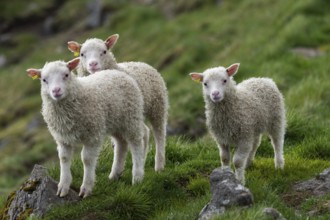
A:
(258, 34)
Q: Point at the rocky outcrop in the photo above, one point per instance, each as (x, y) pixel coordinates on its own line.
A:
(318, 186)
(313, 188)
(35, 197)
(226, 192)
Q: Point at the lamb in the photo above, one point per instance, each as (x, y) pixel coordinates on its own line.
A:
(239, 114)
(96, 55)
(83, 110)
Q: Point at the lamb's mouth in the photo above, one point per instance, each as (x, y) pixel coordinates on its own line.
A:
(94, 70)
(216, 99)
(58, 96)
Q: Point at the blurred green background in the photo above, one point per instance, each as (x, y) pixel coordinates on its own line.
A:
(288, 41)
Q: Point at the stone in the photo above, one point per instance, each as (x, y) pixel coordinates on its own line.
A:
(273, 214)
(95, 9)
(318, 186)
(307, 52)
(48, 26)
(226, 192)
(35, 197)
(3, 60)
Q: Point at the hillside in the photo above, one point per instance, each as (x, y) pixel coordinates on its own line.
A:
(288, 41)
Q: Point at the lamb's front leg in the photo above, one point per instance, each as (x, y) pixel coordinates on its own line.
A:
(224, 154)
(89, 157)
(240, 159)
(65, 154)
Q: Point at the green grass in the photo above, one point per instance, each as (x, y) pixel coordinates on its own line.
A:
(181, 191)
(260, 34)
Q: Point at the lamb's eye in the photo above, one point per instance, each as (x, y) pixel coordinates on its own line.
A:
(66, 75)
(44, 80)
(104, 52)
(81, 54)
(224, 81)
(205, 84)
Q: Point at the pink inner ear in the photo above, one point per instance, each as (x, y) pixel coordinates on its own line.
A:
(196, 77)
(111, 41)
(232, 69)
(73, 63)
(33, 72)
(74, 46)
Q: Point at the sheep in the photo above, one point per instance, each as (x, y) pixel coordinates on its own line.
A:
(83, 110)
(239, 114)
(96, 55)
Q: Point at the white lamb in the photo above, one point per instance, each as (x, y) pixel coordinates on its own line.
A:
(83, 110)
(239, 114)
(96, 55)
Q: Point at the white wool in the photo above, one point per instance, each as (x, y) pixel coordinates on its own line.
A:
(87, 109)
(239, 114)
(96, 56)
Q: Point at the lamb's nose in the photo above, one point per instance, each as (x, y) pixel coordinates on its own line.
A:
(215, 93)
(56, 90)
(93, 64)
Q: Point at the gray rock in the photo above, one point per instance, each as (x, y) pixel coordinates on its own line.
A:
(95, 9)
(48, 26)
(226, 192)
(34, 123)
(318, 186)
(4, 143)
(307, 52)
(3, 60)
(36, 196)
(273, 214)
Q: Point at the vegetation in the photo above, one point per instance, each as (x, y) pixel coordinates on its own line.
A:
(269, 38)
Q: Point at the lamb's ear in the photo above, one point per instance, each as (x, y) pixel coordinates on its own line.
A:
(232, 69)
(72, 64)
(197, 77)
(74, 47)
(111, 41)
(34, 73)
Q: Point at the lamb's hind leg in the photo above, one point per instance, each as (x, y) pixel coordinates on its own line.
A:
(277, 139)
(89, 155)
(159, 132)
(65, 154)
(120, 152)
(146, 141)
(137, 151)
(256, 143)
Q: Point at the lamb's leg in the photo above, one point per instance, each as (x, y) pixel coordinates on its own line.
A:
(224, 154)
(65, 154)
(277, 142)
(256, 144)
(138, 161)
(120, 152)
(146, 141)
(240, 158)
(159, 132)
(89, 157)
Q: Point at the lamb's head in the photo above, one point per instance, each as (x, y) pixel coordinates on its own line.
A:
(55, 77)
(216, 81)
(95, 54)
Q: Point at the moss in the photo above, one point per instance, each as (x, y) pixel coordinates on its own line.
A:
(24, 215)
(4, 210)
(30, 186)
